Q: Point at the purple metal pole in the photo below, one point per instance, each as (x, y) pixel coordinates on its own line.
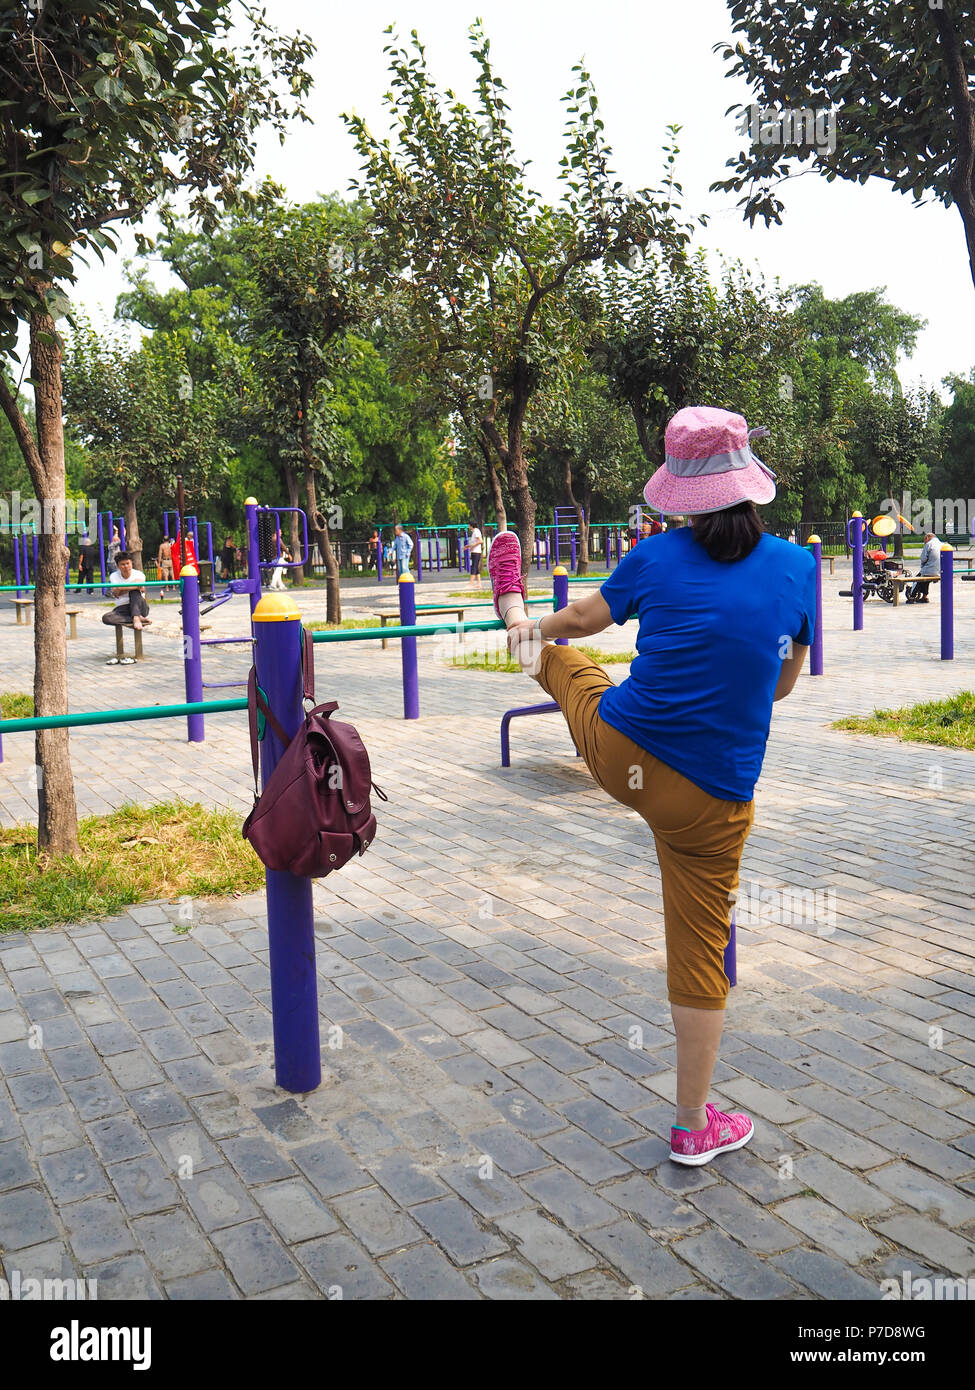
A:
(16, 540)
(856, 526)
(419, 558)
(947, 603)
(379, 556)
(101, 550)
(548, 553)
(573, 552)
(731, 954)
(121, 531)
(34, 547)
(560, 587)
(253, 551)
(192, 654)
(407, 617)
(290, 912)
(816, 655)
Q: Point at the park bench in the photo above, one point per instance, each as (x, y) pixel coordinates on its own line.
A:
(23, 608)
(72, 616)
(389, 618)
(27, 604)
(900, 580)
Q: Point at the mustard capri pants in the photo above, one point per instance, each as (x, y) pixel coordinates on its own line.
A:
(699, 838)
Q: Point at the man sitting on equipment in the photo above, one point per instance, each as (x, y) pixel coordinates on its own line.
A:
(930, 565)
(131, 607)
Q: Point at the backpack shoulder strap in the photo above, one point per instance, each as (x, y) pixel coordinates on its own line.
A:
(308, 664)
(257, 702)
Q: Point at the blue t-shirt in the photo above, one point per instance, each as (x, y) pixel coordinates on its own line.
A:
(709, 653)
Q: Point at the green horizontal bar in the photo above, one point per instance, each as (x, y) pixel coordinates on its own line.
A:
(117, 716)
(425, 607)
(98, 584)
(372, 634)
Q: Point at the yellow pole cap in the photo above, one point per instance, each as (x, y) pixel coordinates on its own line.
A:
(560, 569)
(945, 546)
(858, 513)
(814, 540)
(406, 579)
(250, 501)
(189, 569)
(276, 608)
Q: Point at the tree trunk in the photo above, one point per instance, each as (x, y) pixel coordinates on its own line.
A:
(133, 541)
(582, 554)
(808, 518)
(57, 813)
(333, 596)
(494, 482)
(517, 472)
(291, 486)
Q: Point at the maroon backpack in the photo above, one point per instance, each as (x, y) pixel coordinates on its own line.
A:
(314, 814)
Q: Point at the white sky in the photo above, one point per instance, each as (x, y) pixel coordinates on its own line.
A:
(652, 66)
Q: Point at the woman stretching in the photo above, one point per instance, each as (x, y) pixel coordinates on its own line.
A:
(726, 615)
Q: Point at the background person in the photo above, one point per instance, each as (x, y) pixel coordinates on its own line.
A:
(164, 561)
(402, 549)
(727, 614)
(228, 559)
(476, 545)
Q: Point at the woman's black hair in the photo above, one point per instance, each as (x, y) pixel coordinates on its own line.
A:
(729, 535)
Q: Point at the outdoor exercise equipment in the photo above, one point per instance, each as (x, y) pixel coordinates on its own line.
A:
(816, 655)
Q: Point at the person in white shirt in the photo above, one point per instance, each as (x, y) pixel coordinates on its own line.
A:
(131, 606)
(930, 565)
(476, 544)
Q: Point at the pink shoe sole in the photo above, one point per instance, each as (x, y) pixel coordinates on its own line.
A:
(504, 567)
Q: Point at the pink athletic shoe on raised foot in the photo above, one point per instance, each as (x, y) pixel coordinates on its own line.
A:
(504, 567)
(723, 1133)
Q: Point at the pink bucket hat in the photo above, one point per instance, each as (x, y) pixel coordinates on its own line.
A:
(710, 465)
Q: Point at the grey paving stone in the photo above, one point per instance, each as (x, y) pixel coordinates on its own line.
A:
(405, 1178)
(193, 1076)
(608, 1085)
(16, 1168)
(366, 1135)
(95, 1099)
(97, 1230)
(256, 1160)
(553, 1251)
(458, 1231)
(527, 1114)
(600, 1120)
(544, 1082)
(744, 1219)
(509, 1280)
(376, 1221)
(295, 1212)
(491, 1194)
(849, 1149)
(839, 1186)
(110, 1038)
(643, 1261)
(575, 1204)
(595, 1285)
(73, 1174)
(143, 1186)
(144, 1014)
(47, 1004)
(173, 1244)
(19, 1057)
(722, 1262)
(133, 1071)
(185, 1150)
(658, 1210)
(221, 1114)
(218, 1199)
(255, 1257)
(925, 1193)
(329, 1169)
(830, 1228)
(50, 1131)
(824, 1276)
(210, 1286)
(584, 1157)
(126, 1278)
(422, 1273)
(343, 1270)
(50, 1260)
(925, 1237)
(26, 1218)
(118, 1138)
(941, 1159)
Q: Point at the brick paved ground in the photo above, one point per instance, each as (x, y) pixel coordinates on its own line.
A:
(495, 1121)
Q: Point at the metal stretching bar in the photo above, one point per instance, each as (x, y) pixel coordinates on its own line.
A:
(146, 584)
(368, 634)
(116, 716)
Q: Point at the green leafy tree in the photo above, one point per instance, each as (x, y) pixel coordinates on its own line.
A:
(106, 109)
(489, 271)
(144, 421)
(954, 473)
(899, 77)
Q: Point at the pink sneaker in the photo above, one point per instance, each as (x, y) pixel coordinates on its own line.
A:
(723, 1133)
(504, 566)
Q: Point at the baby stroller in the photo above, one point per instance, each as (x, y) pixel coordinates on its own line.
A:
(877, 571)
